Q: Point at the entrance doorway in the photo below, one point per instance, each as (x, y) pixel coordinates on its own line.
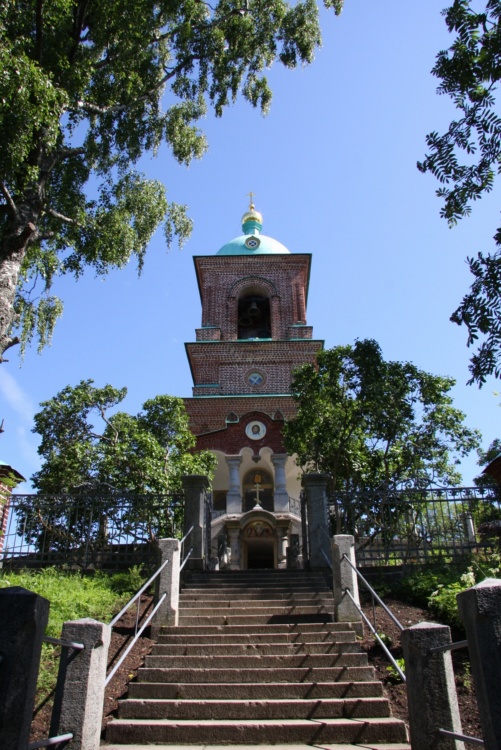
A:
(260, 553)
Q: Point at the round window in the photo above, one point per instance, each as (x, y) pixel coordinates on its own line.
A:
(255, 378)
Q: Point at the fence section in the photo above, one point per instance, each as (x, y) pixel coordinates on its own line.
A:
(417, 526)
(108, 530)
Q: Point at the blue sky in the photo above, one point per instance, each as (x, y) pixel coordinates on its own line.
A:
(333, 167)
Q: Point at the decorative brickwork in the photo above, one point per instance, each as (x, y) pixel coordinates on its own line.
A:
(224, 279)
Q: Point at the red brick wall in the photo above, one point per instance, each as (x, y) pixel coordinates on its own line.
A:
(223, 279)
(232, 439)
(209, 414)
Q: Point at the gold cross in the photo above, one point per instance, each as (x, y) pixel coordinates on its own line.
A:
(251, 203)
(257, 487)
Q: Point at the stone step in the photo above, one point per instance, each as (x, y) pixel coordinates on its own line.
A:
(251, 648)
(291, 629)
(255, 649)
(283, 674)
(334, 708)
(258, 609)
(257, 732)
(280, 639)
(251, 621)
(323, 746)
(257, 661)
(242, 600)
(256, 691)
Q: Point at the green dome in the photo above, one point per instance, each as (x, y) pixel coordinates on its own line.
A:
(252, 242)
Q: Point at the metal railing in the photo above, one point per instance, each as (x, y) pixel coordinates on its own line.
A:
(375, 597)
(138, 631)
(185, 557)
(98, 529)
(396, 666)
(417, 525)
(51, 741)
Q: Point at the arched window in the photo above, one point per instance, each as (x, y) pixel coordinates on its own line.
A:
(258, 481)
(254, 318)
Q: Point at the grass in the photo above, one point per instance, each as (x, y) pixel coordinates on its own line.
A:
(72, 597)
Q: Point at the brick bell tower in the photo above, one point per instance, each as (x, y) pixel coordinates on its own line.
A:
(253, 335)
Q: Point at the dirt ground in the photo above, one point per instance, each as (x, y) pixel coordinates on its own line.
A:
(395, 690)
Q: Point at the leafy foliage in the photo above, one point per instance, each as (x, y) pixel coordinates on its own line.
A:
(467, 157)
(145, 453)
(83, 86)
(372, 423)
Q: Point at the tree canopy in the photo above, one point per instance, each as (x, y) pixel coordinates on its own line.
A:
(145, 453)
(467, 158)
(374, 424)
(88, 86)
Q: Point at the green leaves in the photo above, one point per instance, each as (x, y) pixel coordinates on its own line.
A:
(375, 424)
(86, 88)
(467, 157)
(83, 444)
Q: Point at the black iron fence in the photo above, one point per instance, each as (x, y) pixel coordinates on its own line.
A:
(416, 526)
(89, 530)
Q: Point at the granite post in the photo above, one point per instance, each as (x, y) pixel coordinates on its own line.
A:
(344, 577)
(23, 619)
(431, 691)
(195, 487)
(78, 703)
(315, 487)
(480, 610)
(168, 583)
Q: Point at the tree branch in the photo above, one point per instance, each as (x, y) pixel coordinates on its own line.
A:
(8, 197)
(63, 218)
(96, 109)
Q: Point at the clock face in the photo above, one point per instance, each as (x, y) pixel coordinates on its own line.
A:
(255, 430)
(252, 243)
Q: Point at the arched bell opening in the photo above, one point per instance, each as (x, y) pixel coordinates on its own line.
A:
(254, 316)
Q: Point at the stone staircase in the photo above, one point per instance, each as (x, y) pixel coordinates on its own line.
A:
(257, 660)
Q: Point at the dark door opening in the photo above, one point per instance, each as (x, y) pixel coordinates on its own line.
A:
(260, 553)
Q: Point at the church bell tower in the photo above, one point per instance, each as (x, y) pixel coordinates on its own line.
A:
(253, 335)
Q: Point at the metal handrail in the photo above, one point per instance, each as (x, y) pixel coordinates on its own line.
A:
(138, 594)
(369, 587)
(50, 741)
(448, 647)
(376, 635)
(133, 642)
(464, 737)
(63, 644)
(186, 535)
(329, 563)
(186, 559)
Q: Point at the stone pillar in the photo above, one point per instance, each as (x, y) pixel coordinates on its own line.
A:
(23, 619)
(234, 496)
(315, 487)
(431, 691)
(78, 703)
(344, 577)
(234, 544)
(280, 495)
(281, 546)
(168, 583)
(480, 610)
(194, 487)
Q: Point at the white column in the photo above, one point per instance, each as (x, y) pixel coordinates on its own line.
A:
(234, 542)
(280, 497)
(234, 497)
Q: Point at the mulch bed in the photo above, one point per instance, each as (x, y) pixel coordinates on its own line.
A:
(395, 691)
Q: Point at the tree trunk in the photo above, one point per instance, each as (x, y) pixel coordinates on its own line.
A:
(17, 234)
